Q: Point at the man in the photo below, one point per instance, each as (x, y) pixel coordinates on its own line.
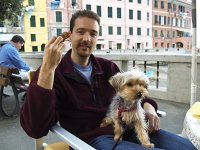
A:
(9, 55)
(75, 91)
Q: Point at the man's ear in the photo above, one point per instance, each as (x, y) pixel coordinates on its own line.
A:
(69, 39)
(117, 81)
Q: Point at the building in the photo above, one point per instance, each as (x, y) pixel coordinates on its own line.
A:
(125, 24)
(8, 29)
(172, 24)
(35, 25)
(59, 14)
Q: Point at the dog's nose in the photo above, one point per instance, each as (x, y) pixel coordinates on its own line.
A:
(139, 94)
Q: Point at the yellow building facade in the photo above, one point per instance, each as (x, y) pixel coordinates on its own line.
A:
(35, 25)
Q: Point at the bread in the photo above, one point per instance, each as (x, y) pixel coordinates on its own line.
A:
(65, 35)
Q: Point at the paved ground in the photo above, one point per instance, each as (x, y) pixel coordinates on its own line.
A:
(12, 136)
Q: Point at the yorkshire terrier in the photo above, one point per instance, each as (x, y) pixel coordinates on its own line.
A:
(125, 110)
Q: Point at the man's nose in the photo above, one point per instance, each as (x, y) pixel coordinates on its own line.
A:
(86, 37)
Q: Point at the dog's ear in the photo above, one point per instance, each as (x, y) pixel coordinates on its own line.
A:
(117, 81)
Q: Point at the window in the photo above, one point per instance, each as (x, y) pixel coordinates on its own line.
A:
(174, 7)
(58, 32)
(1, 24)
(155, 33)
(131, 1)
(168, 20)
(176, 21)
(169, 6)
(155, 3)
(156, 44)
(162, 44)
(181, 8)
(119, 31)
(99, 11)
(100, 31)
(148, 2)
(74, 3)
(32, 21)
(58, 16)
(165, 20)
(148, 16)
(130, 14)
(138, 31)
(88, 7)
(147, 31)
(110, 30)
(42, 24)
(155, 19)
(109, 12)
(161, 33)
(119, 13)
(139, 1)
(34, 48)
(160, 19)
(167, 45)
(130, 30)
(138, 15)
(119, 45)
(162, 5)
(174, 34)
(33, 37)
(42, 47)
(31, 2)
(168, 34)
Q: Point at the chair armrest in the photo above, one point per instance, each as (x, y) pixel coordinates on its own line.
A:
(161, 113)
(70, 139)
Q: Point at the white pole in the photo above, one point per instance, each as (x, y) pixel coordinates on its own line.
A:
(194, 56)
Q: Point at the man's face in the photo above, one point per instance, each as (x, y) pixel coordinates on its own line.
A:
(84, 36)
(19, 45)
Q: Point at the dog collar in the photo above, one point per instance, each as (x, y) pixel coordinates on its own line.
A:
(122, 109)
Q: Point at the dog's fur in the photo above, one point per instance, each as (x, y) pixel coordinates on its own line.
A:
(131, 88)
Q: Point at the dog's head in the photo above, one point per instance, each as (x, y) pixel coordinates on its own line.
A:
(131, 85)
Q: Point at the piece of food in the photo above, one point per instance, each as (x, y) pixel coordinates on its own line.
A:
(65, 35)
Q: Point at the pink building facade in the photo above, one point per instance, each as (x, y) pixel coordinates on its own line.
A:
(172, 24)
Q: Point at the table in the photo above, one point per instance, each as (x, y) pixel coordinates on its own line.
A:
(191, 129)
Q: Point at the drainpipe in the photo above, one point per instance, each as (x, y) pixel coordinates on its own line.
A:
(194, 56)
(125, 36)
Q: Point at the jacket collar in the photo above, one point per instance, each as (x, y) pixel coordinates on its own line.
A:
(68, 70)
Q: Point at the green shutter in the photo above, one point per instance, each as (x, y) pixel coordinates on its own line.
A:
(42, 24)
(32, 21)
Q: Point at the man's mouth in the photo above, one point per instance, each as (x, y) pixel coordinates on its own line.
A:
(85, 46)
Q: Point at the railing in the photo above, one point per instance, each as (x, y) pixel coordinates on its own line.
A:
(171, 79)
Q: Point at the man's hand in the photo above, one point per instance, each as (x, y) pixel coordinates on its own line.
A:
(51, 59)
(152, 117)
(53, 53)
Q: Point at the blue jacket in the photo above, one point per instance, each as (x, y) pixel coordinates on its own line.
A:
(9, 56)
(76, 104)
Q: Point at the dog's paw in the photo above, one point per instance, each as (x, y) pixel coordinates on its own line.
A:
(148, 145)
(106, 121)
(116, 137)
(103, 124)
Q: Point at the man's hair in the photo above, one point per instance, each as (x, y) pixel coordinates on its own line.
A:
(83, 13)
(17, 38)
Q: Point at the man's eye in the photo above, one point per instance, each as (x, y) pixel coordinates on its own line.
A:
(81, 32)
(94, 35)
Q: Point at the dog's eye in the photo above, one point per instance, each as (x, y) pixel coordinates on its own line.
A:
(129, 84)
